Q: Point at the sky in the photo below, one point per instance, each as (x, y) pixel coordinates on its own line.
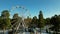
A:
(48, 7)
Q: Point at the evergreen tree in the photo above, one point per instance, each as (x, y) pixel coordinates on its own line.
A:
(55, 20)
(47, 21)
(40, 20)
(34, 22)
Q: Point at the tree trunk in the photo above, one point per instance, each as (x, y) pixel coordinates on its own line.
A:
(40, 30)
(4, 30)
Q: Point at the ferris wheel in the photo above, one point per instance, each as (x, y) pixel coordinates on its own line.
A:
(24, 12)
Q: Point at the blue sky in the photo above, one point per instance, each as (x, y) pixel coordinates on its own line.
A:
(48, 7)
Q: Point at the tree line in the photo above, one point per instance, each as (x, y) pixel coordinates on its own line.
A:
(40, 22)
